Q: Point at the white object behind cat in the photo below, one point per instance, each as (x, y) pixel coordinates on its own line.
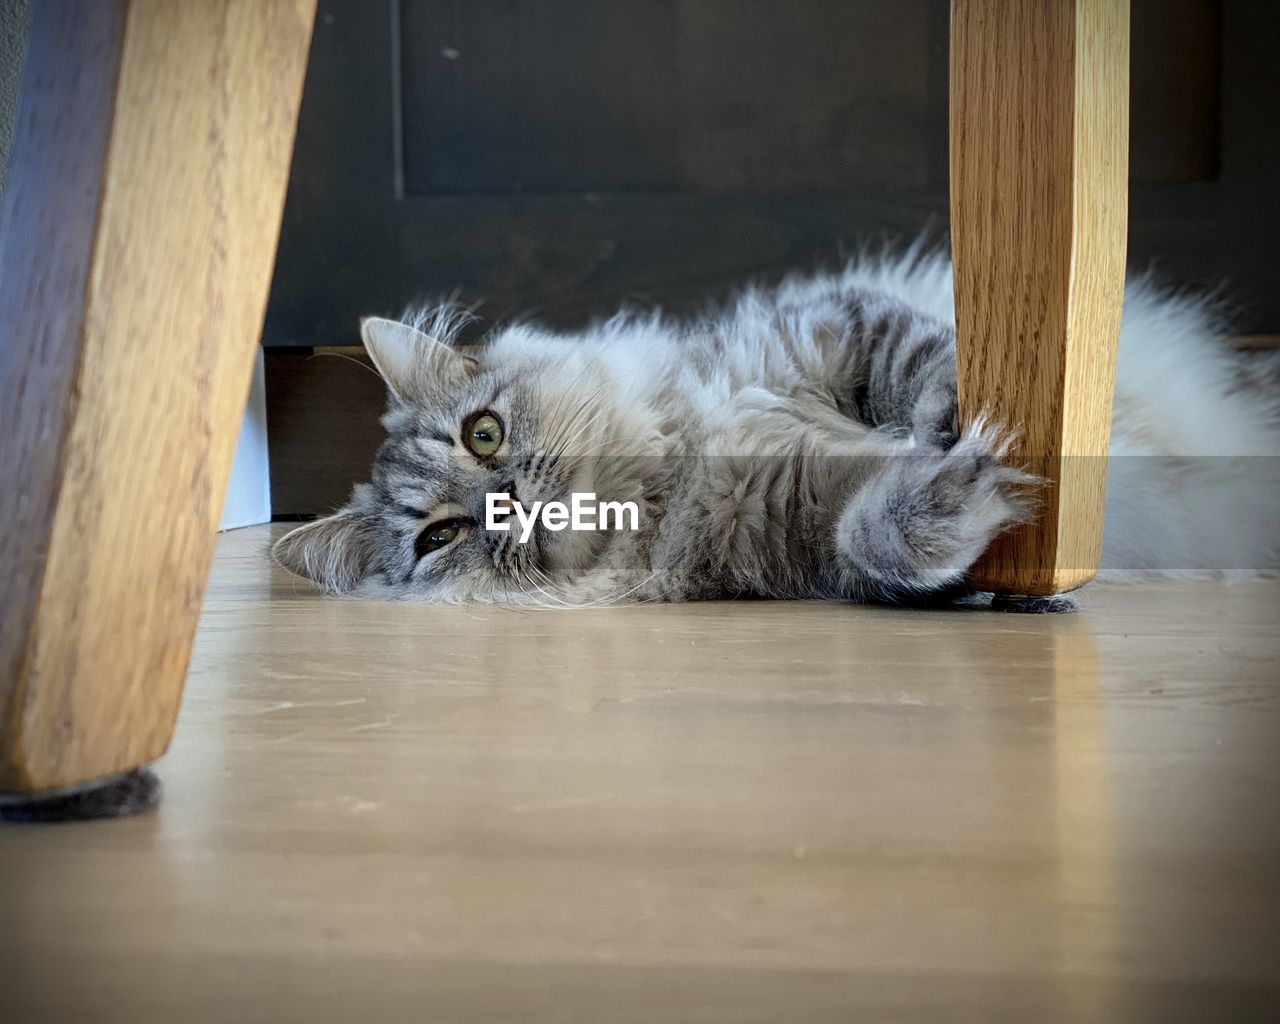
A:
(249, 490)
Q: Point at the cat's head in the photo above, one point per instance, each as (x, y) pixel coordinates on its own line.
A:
(527, 414)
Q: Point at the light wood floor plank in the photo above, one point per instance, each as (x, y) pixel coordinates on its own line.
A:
(719, 812)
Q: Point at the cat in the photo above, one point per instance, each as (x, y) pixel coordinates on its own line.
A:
(801, 442)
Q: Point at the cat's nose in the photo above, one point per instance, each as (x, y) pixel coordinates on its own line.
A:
(509, 489)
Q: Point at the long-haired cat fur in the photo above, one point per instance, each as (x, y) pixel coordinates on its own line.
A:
(799, 443)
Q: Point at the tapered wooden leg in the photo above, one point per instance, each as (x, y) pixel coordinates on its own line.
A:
(1039, 168)
(138, 235)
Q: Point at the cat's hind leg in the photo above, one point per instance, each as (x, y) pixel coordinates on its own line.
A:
(923, 517)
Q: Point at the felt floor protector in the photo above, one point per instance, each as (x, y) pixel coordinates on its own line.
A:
(120, 796)
(1058, 604)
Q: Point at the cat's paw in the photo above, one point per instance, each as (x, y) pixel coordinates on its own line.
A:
(924, 517)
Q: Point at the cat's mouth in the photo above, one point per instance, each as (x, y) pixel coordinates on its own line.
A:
(567, 554)
(534, 552)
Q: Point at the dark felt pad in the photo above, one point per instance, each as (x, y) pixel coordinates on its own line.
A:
(135, 792)
(1060, 604)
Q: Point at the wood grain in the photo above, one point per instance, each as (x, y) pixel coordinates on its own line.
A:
(50, 211)
(1039, 133)
(746, 813)
(151, 384)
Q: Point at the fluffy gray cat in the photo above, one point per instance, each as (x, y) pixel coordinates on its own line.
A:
(801, 443)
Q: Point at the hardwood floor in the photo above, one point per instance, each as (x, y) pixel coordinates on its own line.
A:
(727, 812)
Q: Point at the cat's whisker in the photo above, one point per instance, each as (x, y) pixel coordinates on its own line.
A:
(571, 427)
(554, 416)
(596, 416)
(565, 393)
(554, 599)
(600, 446)
(585, 402)
(556, 590)
(614, 599)
(562, 443)
(343, 355)
(528, 597)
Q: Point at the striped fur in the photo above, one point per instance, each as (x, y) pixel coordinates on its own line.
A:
(800, 443)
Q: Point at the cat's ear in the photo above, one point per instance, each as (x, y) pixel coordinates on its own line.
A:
(335, 553)
(410, 361)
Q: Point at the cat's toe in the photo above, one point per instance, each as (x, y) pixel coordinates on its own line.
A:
(970, 499)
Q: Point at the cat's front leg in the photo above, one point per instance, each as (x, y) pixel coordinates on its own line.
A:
(907, 371)
(922, 518)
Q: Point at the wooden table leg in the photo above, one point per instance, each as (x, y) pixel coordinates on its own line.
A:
(1039, 178)
(138, 236)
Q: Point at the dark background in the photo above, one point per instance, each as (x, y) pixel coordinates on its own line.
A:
(559, 157)
(562, 156)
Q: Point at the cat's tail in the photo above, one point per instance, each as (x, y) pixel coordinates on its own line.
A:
(1197, 517)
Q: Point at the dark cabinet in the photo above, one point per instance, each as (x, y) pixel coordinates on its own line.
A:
(559, 157)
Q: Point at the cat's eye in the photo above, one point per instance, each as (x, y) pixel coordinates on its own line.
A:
(482, 434)
(437, 535)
